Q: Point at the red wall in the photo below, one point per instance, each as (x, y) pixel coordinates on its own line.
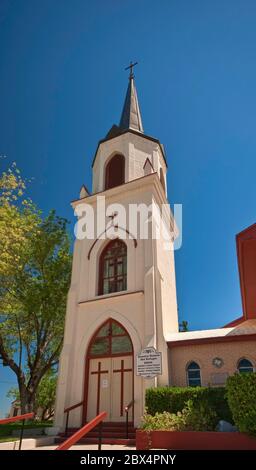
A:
(246, 254)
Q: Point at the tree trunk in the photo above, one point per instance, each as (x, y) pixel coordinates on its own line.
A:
(44, 415)
(27, 399)
(23, 398)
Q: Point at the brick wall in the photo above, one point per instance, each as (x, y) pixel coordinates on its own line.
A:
(203, 354)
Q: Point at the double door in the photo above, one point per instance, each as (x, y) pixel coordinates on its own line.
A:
(110, 387)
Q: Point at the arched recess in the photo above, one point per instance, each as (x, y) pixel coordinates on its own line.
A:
(109, 372)
(115, 171)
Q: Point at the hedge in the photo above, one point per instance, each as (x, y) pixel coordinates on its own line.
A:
(173, 399)
(241, 395)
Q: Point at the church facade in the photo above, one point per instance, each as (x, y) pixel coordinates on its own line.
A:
(122, 298)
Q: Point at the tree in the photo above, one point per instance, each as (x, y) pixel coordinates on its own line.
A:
(45, 398)
(45, 395)
(35, 266)
(18, 218)
(183, 326)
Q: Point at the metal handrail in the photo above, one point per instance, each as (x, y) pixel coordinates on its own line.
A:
(67, 410)
(73, 407)
(18, 418)
(126, 409)
(83, 431)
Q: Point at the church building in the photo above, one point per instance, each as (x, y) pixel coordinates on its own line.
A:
(122, 308)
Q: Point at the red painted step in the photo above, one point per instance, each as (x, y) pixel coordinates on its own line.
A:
(112, 433)
(109, 441)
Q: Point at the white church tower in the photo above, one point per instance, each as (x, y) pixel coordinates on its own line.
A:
(122, 297)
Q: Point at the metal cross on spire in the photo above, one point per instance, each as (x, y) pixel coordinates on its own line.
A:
(131, 69)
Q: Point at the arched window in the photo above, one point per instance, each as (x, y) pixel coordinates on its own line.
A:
(113, 268)
(193, 375)
(162, 178)
(244, 365)
(110, 339)
(114, 175)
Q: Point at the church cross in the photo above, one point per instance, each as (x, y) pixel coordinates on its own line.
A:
(122, 372)
(99, 372)
(112, 216)
(131, 69)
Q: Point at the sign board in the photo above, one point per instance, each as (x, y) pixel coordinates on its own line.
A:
(149, 363)
(105, 383)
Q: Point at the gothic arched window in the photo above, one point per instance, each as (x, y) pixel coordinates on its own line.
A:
(114, 175)
(193, 375)
(244, 365)
(113, 268)
(109, 340)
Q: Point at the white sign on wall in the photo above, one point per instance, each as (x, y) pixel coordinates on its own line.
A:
(105, 383)
(149, 363)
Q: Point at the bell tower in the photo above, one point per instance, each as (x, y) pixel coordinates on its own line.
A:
(122, 297)
(143, 154)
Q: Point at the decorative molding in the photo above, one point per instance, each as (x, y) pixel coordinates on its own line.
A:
(116, 187)
(116, 227)
(110, 296)
(84, 192)
(217, 362)
(148, 161)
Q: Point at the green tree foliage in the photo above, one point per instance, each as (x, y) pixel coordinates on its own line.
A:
(45, 398)
(183, 326)
(18, 218)
(35, 266)
(241, 394)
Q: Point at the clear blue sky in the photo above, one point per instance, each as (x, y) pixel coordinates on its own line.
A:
(62, 86)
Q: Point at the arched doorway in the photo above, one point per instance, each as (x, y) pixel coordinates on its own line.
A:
(109, 372)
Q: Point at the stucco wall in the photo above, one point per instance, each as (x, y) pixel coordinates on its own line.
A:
(139, 309)
(135, 149)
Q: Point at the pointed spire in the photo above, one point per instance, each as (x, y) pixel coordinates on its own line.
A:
(131, 118)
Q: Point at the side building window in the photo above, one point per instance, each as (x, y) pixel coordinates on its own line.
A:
(113, 268)
(193, 375)
(114, 175)
(244, 365)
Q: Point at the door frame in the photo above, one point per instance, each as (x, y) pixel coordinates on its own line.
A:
(87, 366)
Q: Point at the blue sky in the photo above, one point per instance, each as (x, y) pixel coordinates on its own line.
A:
(62, 86)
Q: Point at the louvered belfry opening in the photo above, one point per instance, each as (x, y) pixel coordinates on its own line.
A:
(114, 175)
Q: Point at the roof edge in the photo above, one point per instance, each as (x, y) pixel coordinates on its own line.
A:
(213, 339)
(132, 131)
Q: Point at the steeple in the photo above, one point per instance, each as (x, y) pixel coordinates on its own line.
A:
(131, 118)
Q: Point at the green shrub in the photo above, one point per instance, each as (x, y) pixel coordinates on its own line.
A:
(163, 422)
(191, 418)
(173, 399)
(241, 395)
